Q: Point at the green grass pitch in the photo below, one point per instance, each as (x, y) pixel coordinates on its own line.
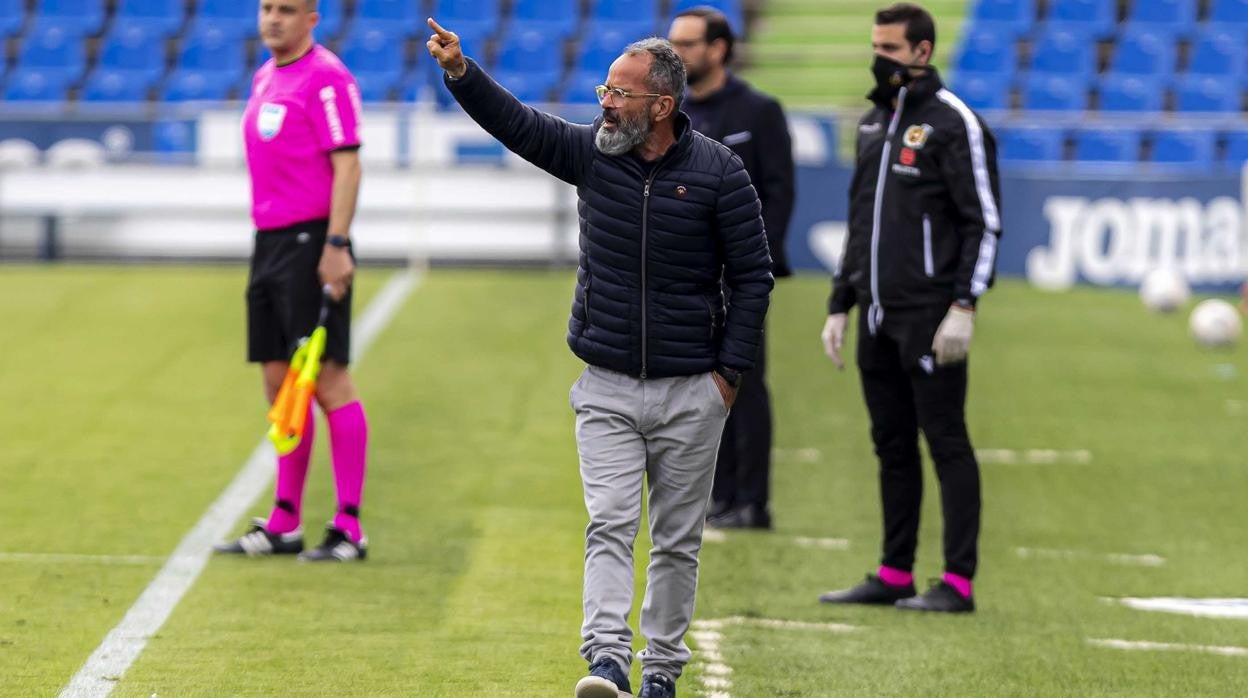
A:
(128, 408)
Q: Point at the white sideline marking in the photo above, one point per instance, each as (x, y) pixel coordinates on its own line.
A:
(715, 671)
(1128, 560)
(799, 455)
(1144, 646)
(714, 535)
(1033, 456)
(74, 558)
(123, 644)
(1202, 608)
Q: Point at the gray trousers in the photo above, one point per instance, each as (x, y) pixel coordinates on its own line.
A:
(666, 431)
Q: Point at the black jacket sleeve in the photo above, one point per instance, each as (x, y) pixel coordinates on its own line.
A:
(969, 167)
(777, 181)
(747, 267)
(561, 148)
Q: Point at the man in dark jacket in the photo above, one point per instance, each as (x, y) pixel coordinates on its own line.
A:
(666, 213)
(923, 227)
(752, 124)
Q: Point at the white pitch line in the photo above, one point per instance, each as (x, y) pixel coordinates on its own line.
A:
(1235, 609)
(713, 535)
(822, 543)
(715, 671)
(125, 642)
(1125, 559)
(74, 558)
(1034, 456)
(1144, 646)
(799, 455)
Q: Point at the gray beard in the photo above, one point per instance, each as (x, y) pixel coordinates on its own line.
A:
(626, 136)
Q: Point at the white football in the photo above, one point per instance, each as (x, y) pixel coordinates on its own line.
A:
(1164, 290)
(1215, 323)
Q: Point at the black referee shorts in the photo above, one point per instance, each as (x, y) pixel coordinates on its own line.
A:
(284, 295)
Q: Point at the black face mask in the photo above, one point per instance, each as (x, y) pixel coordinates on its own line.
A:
(890, 77)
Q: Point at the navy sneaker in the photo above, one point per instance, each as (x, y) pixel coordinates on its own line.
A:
(258, 542)
(606, 679)
(337, 547)
(657, 686)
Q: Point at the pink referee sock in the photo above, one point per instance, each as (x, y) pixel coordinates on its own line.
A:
(292, 473)
(348, 439)
(960, 584)
(895, 577)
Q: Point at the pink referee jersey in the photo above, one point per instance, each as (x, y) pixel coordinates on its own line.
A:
(297, 115)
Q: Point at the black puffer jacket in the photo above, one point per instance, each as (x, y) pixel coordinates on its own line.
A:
(654, 245)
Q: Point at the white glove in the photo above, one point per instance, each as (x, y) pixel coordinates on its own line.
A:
(953, 337)
(833, 337)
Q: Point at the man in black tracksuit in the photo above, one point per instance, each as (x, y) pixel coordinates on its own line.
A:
(722, 106)
(923, 228)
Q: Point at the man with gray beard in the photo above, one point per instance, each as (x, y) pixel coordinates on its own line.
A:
(665, 214)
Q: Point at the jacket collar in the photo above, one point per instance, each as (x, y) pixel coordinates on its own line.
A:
(684, 138)
(920, 89)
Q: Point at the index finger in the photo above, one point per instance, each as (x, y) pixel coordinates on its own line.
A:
(442, 33)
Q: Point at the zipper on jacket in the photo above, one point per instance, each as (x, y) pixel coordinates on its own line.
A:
(589, 282)
(645, 300)
(929, 267)
(875, 314)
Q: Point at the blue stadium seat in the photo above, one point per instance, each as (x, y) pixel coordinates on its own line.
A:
(1064, 52)
(982, 91)
(372, 51)
(1174, 18)
(599, 50)
(198, 85)
(134, 50)
(377, 87)
(480, 17)
(1050, 92)
(1094, 17)
(1107, 145)
(37, 85)
(399, 18)
(333, 18)
(1218, 52)
(52, 49)
(555, 18)
(528, 51)
(1236, 152)
(985, 51)
(634, 17)
(78, 16)
(1144, 53)
(1130, 93)
(161, 18)
(732, 9)
(528, 87)
(12, 17)
(1187, 147)
(113, 85)
(235, 16)
(1229, 11)
(1204, 93)
(1032, 145)
(580, 87)
(212, 49)
(1016, 17)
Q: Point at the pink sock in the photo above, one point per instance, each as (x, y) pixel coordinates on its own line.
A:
(960, 584)
(292, 472)
(348, 438)
(895, 577)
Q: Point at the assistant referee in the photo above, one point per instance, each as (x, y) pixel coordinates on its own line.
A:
(301, 129)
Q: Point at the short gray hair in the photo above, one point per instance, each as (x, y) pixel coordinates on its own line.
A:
(667, 71)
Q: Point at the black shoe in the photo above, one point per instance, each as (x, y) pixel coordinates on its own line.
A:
(606, 679)
(337, 547)
(717, 507)
(939, 598)
(744, 516)
(872, 591)
(657, 686)
(258, 541)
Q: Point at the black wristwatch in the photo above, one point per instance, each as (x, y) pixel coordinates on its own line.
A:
(732, 376)
(339, 241)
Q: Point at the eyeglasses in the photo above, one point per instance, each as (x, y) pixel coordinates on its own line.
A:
(619, 93)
